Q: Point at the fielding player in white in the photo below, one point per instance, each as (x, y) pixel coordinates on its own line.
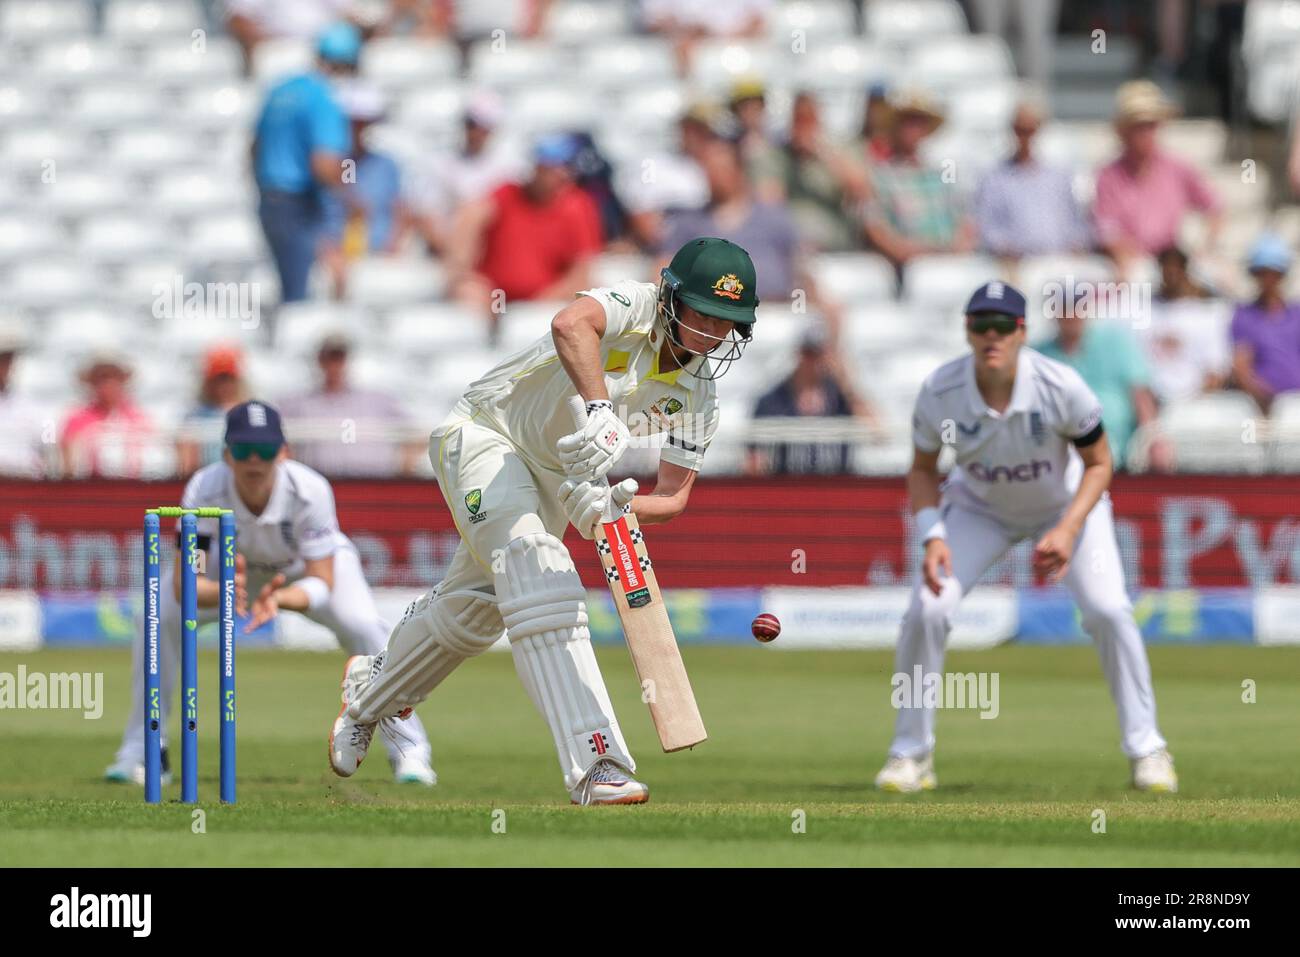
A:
(292, 557)
(514, 471)
(1031, 462)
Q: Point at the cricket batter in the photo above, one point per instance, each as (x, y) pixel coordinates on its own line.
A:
(292, 557)
(514, 472)
(1031, 463)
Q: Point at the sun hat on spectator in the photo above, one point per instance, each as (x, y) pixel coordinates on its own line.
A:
(918, 102)
(747, 88)
(1141, 101)
(11, 337)
(1269, 252)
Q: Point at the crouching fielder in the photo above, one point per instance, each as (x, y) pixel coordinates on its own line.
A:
(1031, 462)
(514, 473)
(292, 557)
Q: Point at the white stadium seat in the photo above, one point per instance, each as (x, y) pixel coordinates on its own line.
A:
(76, 330)
(717, 64)
(279, 58)
(152, 148)
(189, 336)
(587, 21)
(79, 193)
(518, 63)
(944, 282)
(1207, 433)
(849, 62)
(553, 108)
(219, 106)
(524, 322)
(120, 238)
(959, 62)
(28, 20)
(628, 63)
(382, 281)
(175, 62)
(609, 268)
(24, 235)
(405, 62)
(27, 148)
(300, 326)
(148, 283)
(195, 191)
(907, 21)
(437, 109)
(1269, 25)
(111, 105)
(22, 102)
(434, 328)
(852, 278)
(133, 20)
(81, 62)
(812, 19)
(227, 238)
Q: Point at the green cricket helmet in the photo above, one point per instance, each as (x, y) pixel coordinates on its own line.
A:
(714, 277)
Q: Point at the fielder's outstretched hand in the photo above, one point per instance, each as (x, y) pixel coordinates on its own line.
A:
(594, 449)
(265, 606)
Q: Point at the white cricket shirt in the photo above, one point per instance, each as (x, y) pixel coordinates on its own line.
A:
(525, 397)
(299, 523)
(1021, 464)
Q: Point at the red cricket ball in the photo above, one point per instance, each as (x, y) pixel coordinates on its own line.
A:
(765, 627)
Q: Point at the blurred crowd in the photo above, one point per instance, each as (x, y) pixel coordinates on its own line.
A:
(508, 224)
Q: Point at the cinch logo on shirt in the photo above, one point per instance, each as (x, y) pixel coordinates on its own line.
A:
(1024, 472)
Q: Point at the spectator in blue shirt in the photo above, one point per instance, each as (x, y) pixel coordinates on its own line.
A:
(375, 218)
(301, 139)
(1025, 207)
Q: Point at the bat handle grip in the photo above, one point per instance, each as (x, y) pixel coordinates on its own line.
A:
(578, 409)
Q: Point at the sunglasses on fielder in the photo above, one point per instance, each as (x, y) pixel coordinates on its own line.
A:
(981, 322)
(266, 451)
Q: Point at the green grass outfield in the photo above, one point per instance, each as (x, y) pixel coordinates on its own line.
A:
(789, 733)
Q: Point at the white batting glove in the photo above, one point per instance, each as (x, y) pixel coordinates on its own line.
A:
(594, 449)
(584, 502)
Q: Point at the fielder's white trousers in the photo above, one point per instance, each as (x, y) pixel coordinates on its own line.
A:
(350, 613)
(1095, 578)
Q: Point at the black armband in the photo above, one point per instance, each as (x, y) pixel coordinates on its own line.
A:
(1089, 438)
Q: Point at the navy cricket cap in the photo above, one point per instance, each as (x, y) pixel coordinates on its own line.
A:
(997, 296)
(253, 422)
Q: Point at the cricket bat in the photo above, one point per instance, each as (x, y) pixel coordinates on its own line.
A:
(665, 686)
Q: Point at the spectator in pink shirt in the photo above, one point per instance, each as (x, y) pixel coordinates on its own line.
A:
(1143, 195)
(110, 435)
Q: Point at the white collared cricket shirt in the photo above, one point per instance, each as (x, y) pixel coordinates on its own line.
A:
(1019, 465)
(298, 525)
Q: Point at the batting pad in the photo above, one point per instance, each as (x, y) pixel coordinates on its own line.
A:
(435, 635)
(543, 605)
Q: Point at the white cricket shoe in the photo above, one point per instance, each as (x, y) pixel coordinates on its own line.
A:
(1155, 772)
(607, 783)
(413, 770)
(907, 775)
(349, 739)
(128, 772)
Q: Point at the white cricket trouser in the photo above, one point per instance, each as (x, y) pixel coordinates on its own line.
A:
(1095, 578)
(350, 613)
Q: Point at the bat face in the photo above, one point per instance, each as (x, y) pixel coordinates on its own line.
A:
(666, 688)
